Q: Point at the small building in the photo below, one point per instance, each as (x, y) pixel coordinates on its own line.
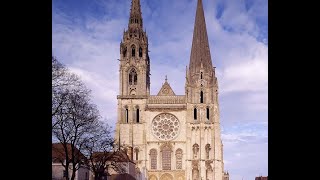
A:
(58, 170)
(122, 159)
(262, 178)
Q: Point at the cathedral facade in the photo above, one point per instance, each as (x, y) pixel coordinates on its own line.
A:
(169, 136)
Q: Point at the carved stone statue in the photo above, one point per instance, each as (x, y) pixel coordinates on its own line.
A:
(195, 150)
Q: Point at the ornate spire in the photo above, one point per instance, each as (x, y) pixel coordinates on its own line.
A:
(200, 51)
(135, 19)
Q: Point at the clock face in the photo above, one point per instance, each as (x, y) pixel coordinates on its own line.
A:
(165, 126)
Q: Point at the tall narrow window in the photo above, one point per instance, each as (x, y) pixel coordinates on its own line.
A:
(127, 114)
(166, 158)
(179, 159)
(133, 51)
(125, 52)
(153, 158)
(137, 114)
(201, 75)
(195, 113)
(201, 97)
(208, 113)
(133, 77)
(136, 150)
(140, 52)
(130, 79)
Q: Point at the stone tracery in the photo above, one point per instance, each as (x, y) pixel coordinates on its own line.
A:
(165, 126)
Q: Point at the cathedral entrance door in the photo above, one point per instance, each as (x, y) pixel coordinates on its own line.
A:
(166, 177)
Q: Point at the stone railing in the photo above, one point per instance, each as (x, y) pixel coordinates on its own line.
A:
(167, 99)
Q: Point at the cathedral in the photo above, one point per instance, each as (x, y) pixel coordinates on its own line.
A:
(169, 136)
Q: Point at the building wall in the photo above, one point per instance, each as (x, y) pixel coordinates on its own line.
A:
(57, 172)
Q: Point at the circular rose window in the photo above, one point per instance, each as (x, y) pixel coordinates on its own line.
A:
(165, 126)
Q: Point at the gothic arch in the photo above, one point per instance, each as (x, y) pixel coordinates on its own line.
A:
(179, 154)
(166, 151)
(153, 177)
(140, 51)
(133, 50)
(166, 176)
(136, 153)
(153, 158)
(133, 92)
(124, 51)
(133, 77)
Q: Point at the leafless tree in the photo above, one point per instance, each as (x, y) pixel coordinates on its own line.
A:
(74, 116)
(102, 152)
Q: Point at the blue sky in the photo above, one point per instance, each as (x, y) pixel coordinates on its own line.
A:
(86, 35)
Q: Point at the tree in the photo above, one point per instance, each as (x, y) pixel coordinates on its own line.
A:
(74, 116)
(102, 152)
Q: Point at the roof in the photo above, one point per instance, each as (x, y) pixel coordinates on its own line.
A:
(118, 156)
(166, 89)
(200, 57)
(59, 155)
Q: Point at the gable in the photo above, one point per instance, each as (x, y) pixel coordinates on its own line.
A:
(166, 90)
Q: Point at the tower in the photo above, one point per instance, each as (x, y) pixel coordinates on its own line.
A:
(134, 72)
(134, 58)
(202, 105)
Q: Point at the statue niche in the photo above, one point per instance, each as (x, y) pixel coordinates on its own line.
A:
(195, 150)
(195, 170)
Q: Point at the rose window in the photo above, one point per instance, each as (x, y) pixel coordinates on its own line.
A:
(165, 126)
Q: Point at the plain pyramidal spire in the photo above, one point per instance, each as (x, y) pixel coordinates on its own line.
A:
(200, 52)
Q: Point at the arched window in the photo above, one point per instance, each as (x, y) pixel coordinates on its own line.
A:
(166, 158)
(201, 97)
(137, 115)
(179, 158)
(195, 113)
(153, 158)
(208, 114)
(140, 52)
(131, 21)
(208, 148)
(133, 51)
(136, 150)
(124, 52)
(133, 77)
(201, 75)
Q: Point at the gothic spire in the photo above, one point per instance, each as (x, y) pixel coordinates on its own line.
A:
(200, 52)
(135, 19)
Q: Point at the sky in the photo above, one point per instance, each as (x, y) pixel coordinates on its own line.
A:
(86, 37)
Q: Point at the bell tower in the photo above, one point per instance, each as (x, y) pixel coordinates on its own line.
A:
(134, 58)
(134, 89)
(203, 116)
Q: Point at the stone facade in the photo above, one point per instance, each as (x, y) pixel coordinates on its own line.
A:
(169, 136)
